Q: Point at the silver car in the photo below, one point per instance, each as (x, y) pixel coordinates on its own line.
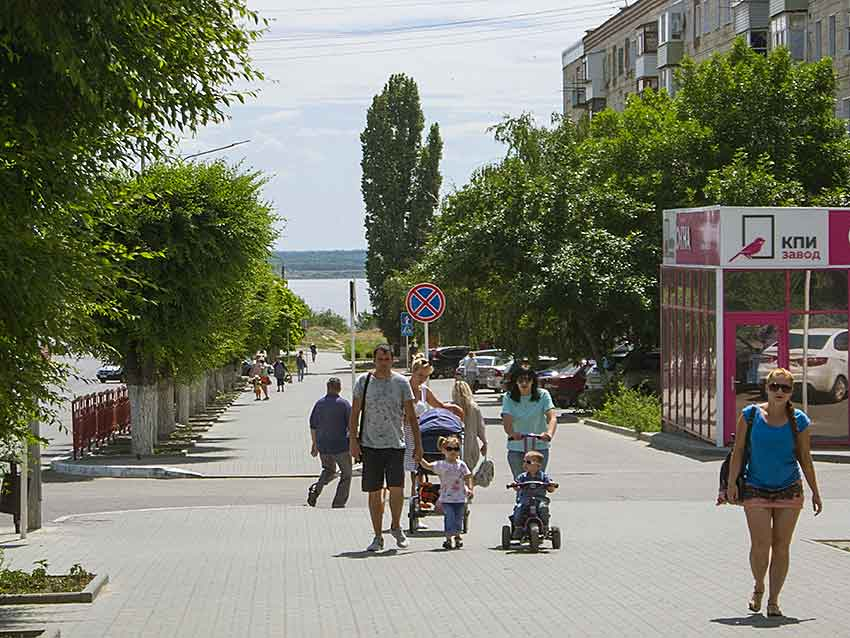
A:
(487, 369)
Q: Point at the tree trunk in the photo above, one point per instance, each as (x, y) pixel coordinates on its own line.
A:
(165, 408)
(204, 391)
(211, 392)
(184, 392)
(143, 413)
(219, 380)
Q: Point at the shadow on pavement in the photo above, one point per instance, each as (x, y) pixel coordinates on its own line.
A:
(49, 476)
(760, 621)
(365, 554)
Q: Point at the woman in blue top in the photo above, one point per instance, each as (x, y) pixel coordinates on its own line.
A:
(773, 491)
(527, 410)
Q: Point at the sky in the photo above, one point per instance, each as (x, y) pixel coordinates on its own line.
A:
(475, 61)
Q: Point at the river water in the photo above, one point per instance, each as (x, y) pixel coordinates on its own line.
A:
(324, 294)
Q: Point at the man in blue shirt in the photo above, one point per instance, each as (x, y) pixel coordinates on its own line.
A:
(329, 431)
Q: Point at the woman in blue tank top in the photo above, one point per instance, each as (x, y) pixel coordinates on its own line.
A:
(773, 491)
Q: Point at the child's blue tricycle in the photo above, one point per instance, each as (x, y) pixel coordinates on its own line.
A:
(534, 526)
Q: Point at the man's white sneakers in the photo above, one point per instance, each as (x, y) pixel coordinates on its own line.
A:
(376, 545)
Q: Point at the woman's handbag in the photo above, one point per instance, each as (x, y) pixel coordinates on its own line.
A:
(727, 462)
(484, 474)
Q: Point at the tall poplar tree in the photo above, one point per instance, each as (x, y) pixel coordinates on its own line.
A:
(401, 188)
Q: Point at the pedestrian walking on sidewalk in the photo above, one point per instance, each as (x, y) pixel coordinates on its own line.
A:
(280, 372)
(313, 351)
(384, 400)
(301, 364)
(778, 446)
(474, 429)
(329, 431)
(526, 409)
(470, 367)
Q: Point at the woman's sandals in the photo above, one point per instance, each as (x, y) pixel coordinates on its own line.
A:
(755, 601)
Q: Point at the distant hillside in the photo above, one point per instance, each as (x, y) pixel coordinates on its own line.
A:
(321, 264)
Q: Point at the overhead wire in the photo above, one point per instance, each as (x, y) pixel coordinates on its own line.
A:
(435, 38)
(462, 24)
(518, 32)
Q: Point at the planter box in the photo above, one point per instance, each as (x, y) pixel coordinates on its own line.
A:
(85, 596)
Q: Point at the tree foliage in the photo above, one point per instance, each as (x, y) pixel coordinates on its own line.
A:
(208, 233)
(555, 247)
(86, 86)
(401, 186)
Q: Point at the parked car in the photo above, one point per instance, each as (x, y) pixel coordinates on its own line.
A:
(827, 355)
(496, 381)
(565, 381)
(487, 366)
(635, 369)
(110, 372)
(446, 360)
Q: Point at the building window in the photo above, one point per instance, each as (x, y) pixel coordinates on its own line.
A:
(620, 61)
(848, 30)
(677, 25)
(648, 39)
(647, 83)
(662, 29)
(845, 112)
(758, 41)
(830, 37)
(706, 23)
(697, 21)
(627, 48)
(818, 40)
(724, 12)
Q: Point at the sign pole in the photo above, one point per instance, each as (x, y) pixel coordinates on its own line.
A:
(427, 351)
(24, 497)
(352, 298)
(407, 352)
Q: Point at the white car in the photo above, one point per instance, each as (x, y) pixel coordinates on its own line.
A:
(827, 353)
(487, 367)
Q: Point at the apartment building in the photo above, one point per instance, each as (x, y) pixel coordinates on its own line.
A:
(643, 44)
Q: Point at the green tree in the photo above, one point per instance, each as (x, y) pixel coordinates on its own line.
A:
(209, 229)
(400, 185)
(86, 86)
(768, 107)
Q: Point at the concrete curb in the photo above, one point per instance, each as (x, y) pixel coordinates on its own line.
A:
(63, 466)
(683, 444)
(616, 429)
(86, 596)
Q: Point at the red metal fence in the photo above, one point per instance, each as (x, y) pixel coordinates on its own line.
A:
(98, 417)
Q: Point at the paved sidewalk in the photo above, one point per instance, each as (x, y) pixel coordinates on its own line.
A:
(257, 438)
(625, 569)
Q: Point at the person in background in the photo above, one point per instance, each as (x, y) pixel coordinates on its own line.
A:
(474, 429)
(780, 444)
(329, 431)
(314, 351)
(470, 368)
(280, 372)
(301, 364)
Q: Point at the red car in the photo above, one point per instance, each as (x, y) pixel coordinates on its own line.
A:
(564, 381)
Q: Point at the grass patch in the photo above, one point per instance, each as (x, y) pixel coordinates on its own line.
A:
(18, 581)
(366, 342)
(631, 409)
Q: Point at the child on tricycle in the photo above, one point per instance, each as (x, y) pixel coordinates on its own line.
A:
(530, 519)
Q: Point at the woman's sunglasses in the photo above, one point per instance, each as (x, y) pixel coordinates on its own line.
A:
(453, 448)
(779, 387)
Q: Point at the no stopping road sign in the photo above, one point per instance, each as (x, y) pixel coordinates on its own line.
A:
(425, 302)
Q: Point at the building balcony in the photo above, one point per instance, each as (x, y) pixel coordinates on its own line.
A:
(646, 66)
(670, 53)
(783, 6)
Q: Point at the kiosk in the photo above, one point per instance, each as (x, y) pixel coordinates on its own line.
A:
(744, 290)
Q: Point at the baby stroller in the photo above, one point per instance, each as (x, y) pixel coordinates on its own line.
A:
(423, 492)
